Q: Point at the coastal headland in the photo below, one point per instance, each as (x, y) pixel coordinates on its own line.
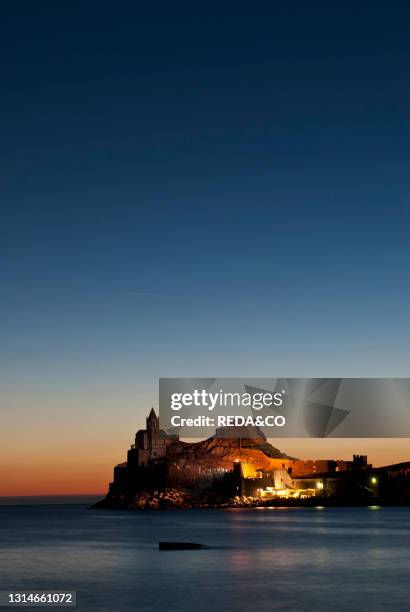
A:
(162, 472)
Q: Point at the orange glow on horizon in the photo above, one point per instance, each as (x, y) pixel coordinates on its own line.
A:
(36, 479)
(58, 466)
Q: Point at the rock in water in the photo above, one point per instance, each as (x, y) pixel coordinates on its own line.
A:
(180, 546)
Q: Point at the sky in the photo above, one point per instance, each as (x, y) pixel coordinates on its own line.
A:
(214, 190)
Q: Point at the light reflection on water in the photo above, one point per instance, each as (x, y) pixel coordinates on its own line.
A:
(314, 559)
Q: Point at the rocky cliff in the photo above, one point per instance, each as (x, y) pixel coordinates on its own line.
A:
(222, 452)
(191, 474)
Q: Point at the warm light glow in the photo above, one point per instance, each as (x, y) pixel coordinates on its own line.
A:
(319, 485)
(271, 492)
(374, 480)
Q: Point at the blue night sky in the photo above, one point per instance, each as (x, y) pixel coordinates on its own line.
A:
(199, 190)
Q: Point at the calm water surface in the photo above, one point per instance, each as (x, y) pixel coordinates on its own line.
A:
(331, 560)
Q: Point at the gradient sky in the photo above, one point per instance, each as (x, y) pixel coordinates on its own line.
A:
(193, 191)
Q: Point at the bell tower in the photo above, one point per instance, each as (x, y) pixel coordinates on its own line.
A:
(152, 422)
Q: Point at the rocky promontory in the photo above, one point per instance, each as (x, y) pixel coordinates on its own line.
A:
(164, 472)
(171, 499)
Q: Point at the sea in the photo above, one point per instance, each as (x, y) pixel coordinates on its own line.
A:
(296, 559)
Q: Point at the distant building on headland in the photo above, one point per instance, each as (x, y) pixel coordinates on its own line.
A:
(249, 466)
(151, 443)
